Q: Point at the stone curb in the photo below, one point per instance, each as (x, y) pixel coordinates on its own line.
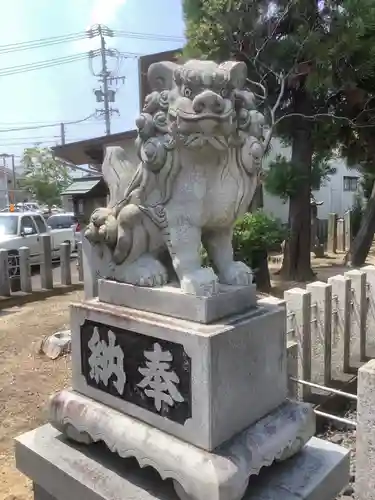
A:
(21, 298)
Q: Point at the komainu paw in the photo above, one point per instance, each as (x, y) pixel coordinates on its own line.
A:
(238, 274)
(202, 282)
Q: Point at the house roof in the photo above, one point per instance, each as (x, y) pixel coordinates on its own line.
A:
(91, 150)
(144, 62)
(82, 186)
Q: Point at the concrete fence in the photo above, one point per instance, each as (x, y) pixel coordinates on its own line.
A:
(333, 325)
(339, 232)
(17, 280)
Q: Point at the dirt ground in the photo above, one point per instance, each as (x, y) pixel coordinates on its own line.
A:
(27, 379)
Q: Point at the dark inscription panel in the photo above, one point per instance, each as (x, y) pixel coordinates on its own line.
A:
(151, 373)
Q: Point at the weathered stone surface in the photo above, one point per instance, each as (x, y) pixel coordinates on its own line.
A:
(223, 473)
(171, 301)
(200, 167)
(319, 471)
(365, 446)
(226, 375)
(57, 344)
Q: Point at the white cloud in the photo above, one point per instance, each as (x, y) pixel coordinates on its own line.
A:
(102, 12)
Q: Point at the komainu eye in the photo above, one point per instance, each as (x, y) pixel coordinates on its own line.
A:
(187, 92)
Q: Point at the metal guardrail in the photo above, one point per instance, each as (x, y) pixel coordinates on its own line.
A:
(331, 391)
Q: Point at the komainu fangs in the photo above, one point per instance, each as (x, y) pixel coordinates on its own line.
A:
(200, 149)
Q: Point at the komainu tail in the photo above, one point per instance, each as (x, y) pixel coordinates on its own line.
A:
(118, 172)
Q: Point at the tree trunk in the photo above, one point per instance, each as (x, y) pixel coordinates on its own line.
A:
(297, 250)
(259, 262)
(363, 241)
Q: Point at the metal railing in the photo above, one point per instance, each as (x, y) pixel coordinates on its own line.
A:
(331, 391)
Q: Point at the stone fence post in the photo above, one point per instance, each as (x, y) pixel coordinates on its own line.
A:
(332, 233)
(298, 309)
(321, 332)
(341, 307)
(25, 270)
(340, 235)
(365, 435)
(358, 316)
(348, 229)
(79, 261)
(46, 276)
(66, 273)
(4, 274)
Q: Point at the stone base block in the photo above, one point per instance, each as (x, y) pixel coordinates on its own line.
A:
(172, 301)
(63, 470)
(201, 383)
(198, 475)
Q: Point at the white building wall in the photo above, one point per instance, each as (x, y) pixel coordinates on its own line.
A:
(332, 193)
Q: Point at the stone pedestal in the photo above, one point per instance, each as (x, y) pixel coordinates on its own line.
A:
(218, 379)
(62, 469)
(201, 398)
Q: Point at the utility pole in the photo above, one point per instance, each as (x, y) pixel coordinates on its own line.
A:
(62, 133)
(105, 94)
(14, 178)
(4, 156)
(105, 75)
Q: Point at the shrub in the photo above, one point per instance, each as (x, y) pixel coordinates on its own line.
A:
(256, 233)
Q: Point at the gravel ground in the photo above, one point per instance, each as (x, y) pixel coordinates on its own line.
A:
(344, 436)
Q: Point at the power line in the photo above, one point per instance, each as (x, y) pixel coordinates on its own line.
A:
(148, 36)
(52, 123)
(92, 33)
(44, 40)
(37, 142)
(24, 68)
(34, 127)
(6, 49)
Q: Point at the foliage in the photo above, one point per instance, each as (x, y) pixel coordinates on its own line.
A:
(45, 177)
(309, 61)
(367, 182)
(284, 179)
(255, 232)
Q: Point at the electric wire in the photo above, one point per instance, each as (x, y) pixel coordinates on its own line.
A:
(35, 127)
(7, 49)
(24, 68)
(147, 36)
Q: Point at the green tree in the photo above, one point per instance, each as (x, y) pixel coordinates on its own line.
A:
(45, 177)
(305, 59)
(280, 42)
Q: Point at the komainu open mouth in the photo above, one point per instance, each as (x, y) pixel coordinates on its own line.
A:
(196, 117)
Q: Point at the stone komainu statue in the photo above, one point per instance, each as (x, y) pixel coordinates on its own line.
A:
(200, 149)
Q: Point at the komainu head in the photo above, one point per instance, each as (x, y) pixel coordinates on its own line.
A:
(199, 97)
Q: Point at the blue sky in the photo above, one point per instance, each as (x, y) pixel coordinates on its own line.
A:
(65, 93)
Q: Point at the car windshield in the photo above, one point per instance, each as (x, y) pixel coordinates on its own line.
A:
(60, 221)
(8, 225)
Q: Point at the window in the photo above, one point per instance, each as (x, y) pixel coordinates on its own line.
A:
(40, 224)
(28, 223)
(61, 221)
(350, 183)
(8, 225)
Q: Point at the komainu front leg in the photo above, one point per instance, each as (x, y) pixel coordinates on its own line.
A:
(218, 244)
(184, 243)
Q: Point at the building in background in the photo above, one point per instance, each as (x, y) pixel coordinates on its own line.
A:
(337, 193)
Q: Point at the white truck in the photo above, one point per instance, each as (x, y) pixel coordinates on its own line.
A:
(23, 229)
